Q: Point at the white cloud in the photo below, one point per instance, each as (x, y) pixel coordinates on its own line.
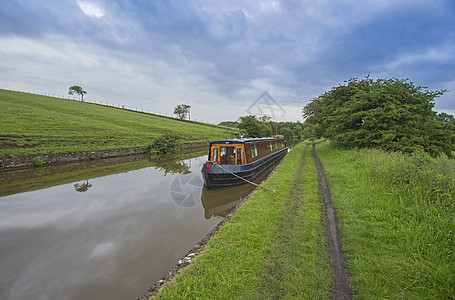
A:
(91, 9)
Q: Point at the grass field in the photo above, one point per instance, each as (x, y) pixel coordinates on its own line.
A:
(34, 124)
(396, 215)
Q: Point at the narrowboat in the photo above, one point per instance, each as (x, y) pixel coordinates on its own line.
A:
(231, 162)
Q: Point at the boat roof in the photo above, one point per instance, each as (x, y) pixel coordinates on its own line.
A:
(248, 140)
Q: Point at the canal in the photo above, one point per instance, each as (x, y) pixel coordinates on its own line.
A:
(103, 229)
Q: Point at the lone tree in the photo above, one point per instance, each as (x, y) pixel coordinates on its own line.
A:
(182, 110)
(391, 114)
(75, 89)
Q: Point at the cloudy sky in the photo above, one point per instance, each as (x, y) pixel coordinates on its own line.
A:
(221, 56)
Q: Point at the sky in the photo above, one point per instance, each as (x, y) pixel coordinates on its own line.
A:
(225, 58)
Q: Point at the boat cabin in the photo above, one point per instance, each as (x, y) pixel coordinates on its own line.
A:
(243, 151)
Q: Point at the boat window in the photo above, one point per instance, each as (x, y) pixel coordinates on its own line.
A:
(215, 155)
(271, 146)
(254, 150)
(239, 156)
(227, 155)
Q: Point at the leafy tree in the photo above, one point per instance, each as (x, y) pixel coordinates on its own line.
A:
(391, 114)
(252, 127)
(75, 89)
(182, 110)
(287, 133)
(445, 118)
(265, 118)
(298, 132)
(309, 131)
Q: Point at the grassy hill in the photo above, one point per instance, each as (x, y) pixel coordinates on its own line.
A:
(33, 124)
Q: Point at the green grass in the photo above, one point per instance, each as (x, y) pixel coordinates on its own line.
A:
(397, 218)
(274, 246)
(33, 124)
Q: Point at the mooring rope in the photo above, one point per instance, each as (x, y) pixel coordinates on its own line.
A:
(246, 180)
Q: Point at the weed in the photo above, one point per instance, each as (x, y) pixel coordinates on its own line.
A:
(38, 162)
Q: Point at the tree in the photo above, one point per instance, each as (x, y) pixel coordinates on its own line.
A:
(251, 127)
(298, 132)
(445, 118)
(391, 114)
(75, 89)
(182, 110)
(287, 133)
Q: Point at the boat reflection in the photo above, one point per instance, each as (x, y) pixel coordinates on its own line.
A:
(221, 201)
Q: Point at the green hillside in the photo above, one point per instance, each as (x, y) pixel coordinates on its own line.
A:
(33, 124)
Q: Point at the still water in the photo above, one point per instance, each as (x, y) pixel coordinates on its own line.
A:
(103, 230)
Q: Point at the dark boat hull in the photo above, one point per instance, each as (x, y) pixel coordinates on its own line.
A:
(216, 175)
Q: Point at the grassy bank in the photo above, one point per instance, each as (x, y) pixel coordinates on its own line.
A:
(34, 124)
(397, 218)
(274, 246)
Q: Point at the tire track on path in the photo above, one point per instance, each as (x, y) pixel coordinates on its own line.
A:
(341, 276)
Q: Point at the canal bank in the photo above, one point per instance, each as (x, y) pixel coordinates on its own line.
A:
(274, 246)
(21, 162)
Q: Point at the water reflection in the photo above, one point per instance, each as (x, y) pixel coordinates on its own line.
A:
(25, 180)
(220, 202)
(103, 231)
(82, 187)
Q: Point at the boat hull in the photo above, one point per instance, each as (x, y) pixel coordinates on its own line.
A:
(222, 175)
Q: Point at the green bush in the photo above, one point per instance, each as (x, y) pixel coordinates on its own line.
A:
(166, 144)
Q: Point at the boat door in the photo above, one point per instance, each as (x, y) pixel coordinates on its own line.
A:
(240, 160)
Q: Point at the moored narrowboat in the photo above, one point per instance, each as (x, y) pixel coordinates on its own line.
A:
(231, 162)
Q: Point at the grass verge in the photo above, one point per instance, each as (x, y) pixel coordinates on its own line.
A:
(34, 124)
(397, 217)
(274, 246)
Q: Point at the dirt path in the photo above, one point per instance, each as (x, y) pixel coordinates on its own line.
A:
(341, 277)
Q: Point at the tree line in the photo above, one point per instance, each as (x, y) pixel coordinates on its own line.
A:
(391, 114)
(251, 126)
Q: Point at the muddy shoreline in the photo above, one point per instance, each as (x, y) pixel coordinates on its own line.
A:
(23, 162)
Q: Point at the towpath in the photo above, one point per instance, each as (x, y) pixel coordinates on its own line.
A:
(341, 277)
